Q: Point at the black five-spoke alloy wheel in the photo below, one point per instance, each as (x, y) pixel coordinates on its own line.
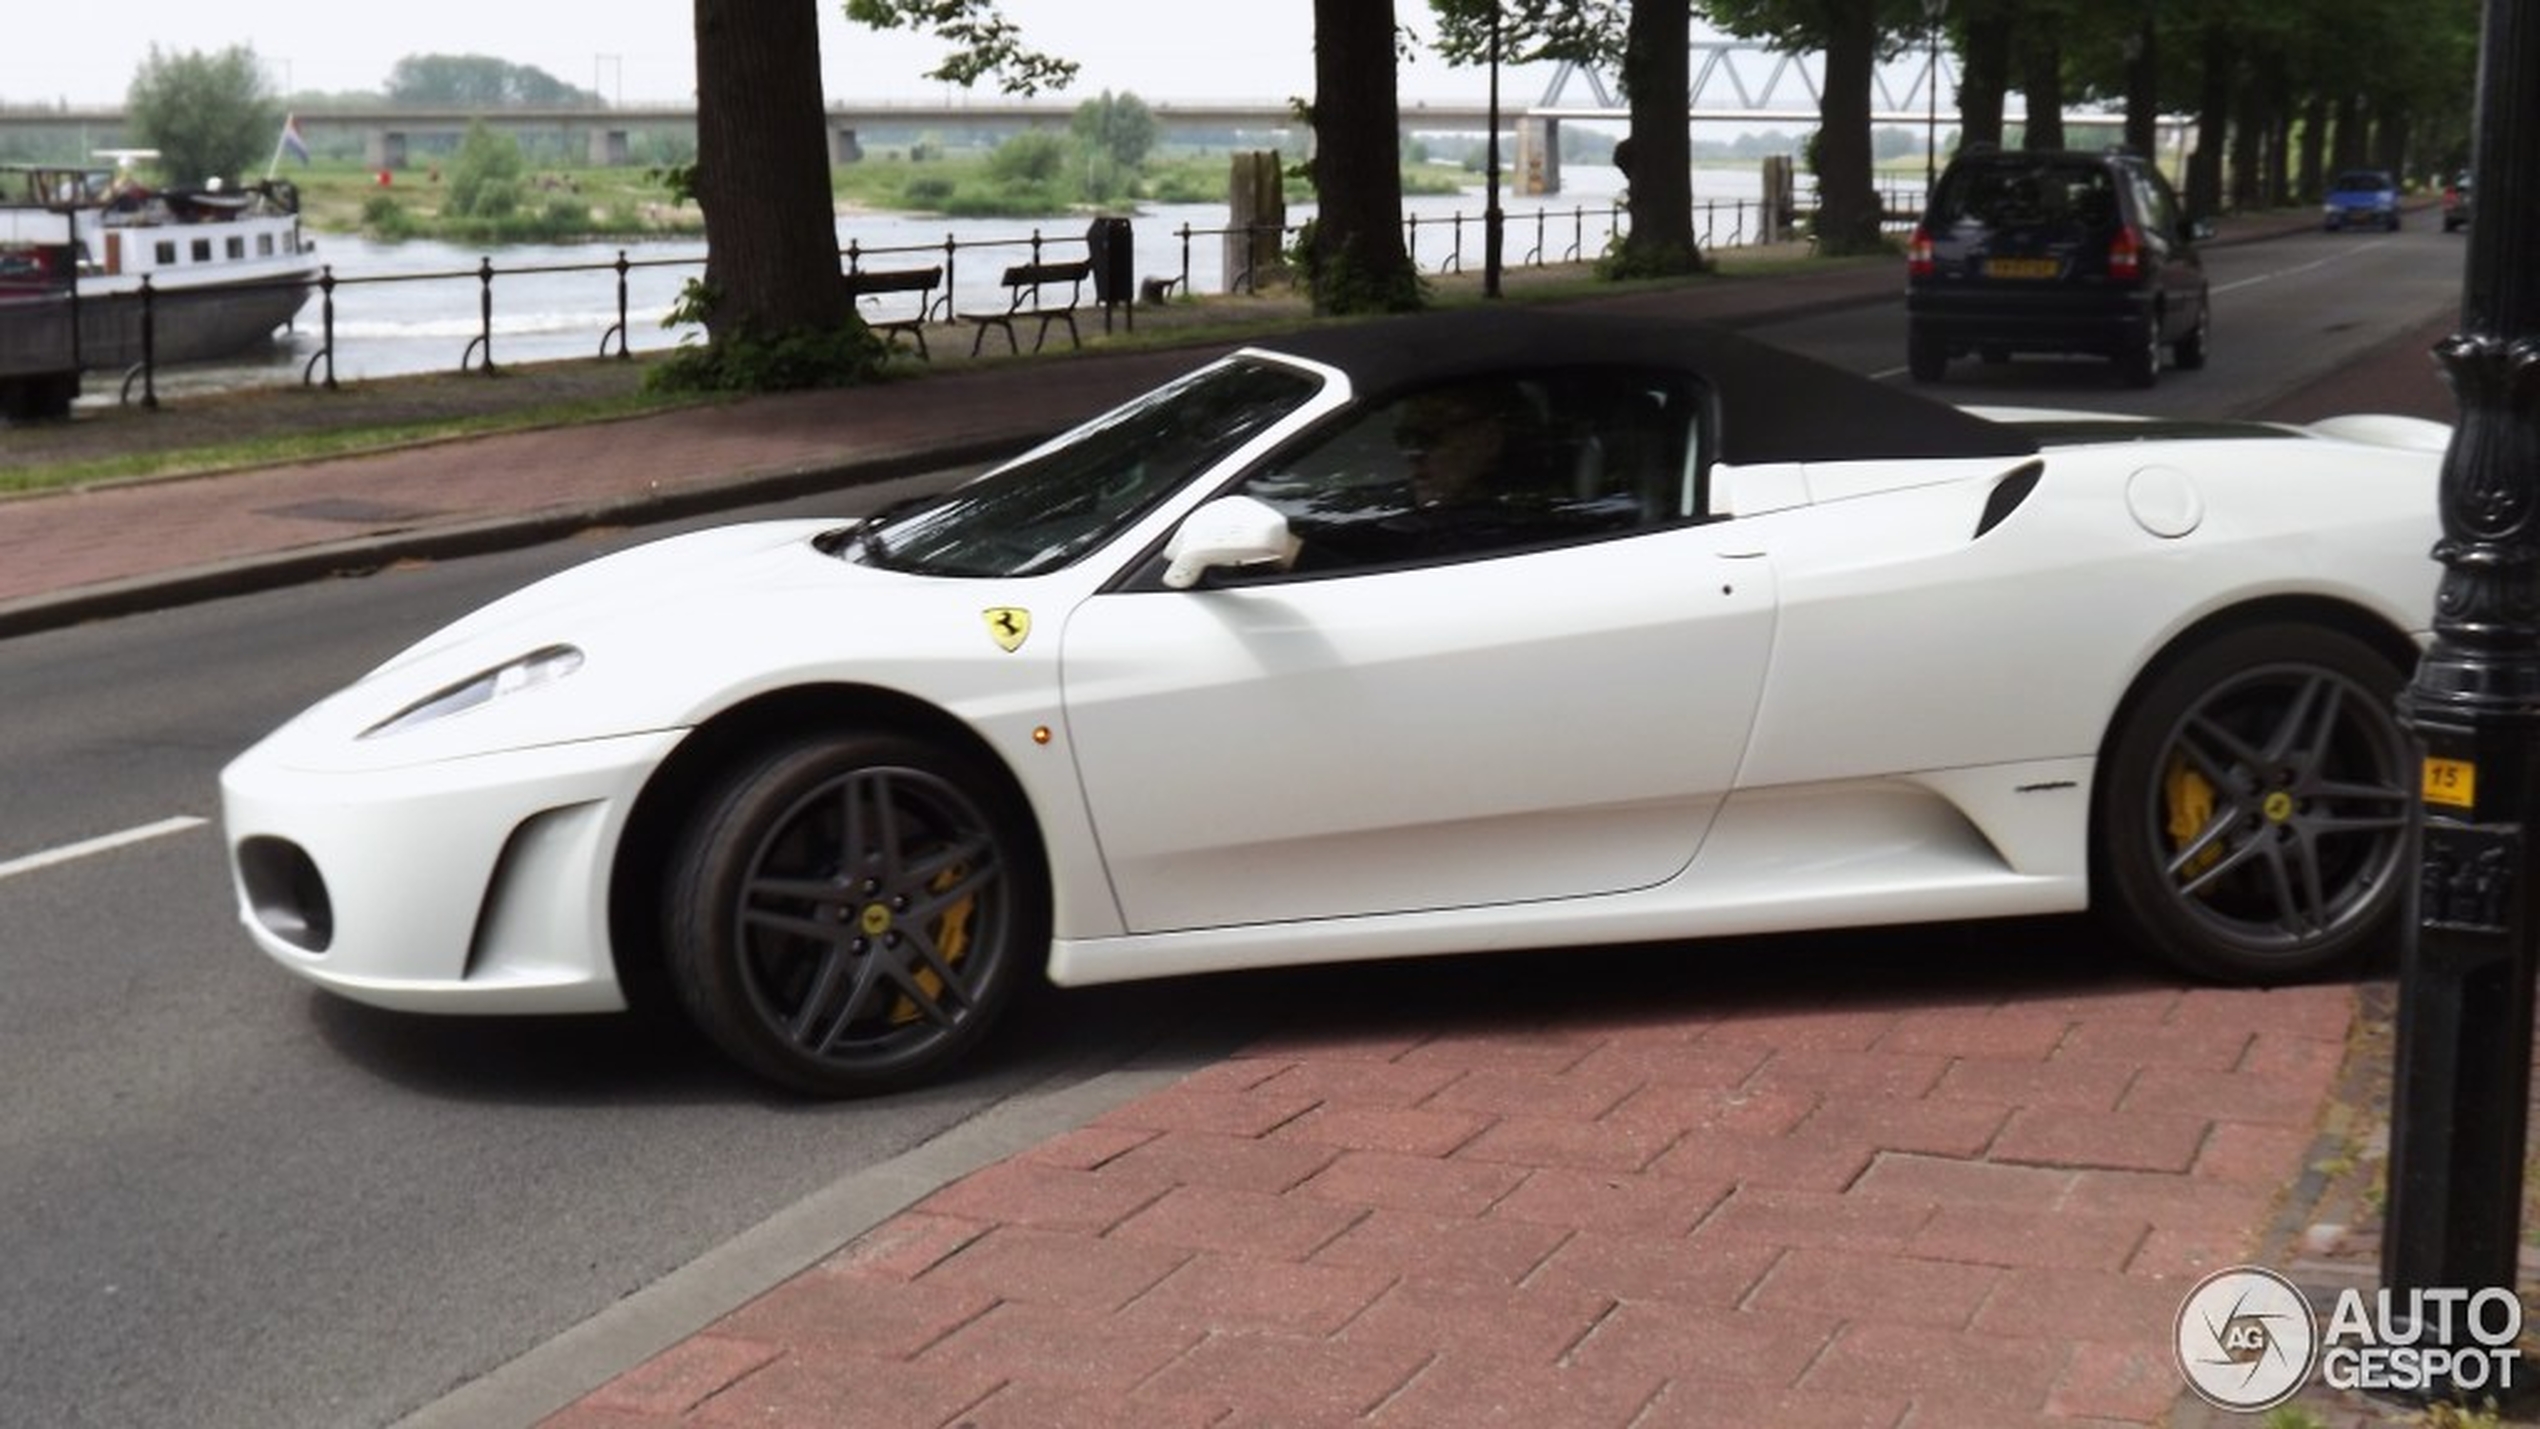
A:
(2256, 807)
(848, 914)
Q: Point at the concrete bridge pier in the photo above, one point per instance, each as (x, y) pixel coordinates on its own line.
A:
(608, 148)
(1538, 156)
(385, 149)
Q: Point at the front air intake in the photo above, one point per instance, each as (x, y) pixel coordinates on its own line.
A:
(286, 893)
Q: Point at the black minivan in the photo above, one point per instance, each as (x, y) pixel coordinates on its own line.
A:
(2055, 251)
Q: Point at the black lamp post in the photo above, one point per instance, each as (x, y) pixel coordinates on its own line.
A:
(1931, 100)
(2463, 1059)
(1491, 230)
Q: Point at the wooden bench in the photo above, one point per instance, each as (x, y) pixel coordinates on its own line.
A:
(871, 282)
(1027, 287)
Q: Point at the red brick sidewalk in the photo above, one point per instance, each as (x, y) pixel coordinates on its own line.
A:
(1715, 1210)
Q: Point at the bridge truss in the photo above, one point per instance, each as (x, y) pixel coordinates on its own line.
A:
(1734, 80)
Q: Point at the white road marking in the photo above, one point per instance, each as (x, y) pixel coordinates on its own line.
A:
(103, 843)
(2295, 271)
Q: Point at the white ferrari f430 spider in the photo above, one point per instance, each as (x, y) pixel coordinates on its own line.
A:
(1423, 636)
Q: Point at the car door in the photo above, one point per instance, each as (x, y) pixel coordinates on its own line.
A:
(1545, 702)
(2174, 260)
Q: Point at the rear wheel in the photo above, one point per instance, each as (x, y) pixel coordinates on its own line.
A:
(2255, 810)
(848, 914)
(2189, 352)
(1925, 357)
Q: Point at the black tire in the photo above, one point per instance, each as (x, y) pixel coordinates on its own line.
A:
(2190, 352)
(848, 914)
(1925, 356)
(2139, 365)
(2255, 807)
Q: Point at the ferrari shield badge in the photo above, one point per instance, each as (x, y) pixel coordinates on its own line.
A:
(1008, 625)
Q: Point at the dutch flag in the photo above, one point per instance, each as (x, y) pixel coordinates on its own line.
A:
(291, 140)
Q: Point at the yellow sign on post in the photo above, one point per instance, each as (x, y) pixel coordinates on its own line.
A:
(2451, 781)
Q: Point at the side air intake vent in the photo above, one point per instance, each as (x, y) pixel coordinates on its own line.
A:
(2008, 493)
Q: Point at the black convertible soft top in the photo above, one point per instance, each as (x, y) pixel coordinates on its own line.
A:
(1773, 405)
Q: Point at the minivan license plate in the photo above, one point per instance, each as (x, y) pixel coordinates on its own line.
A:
(2020, 267)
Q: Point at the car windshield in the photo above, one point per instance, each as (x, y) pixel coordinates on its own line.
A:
(1051, 508)
(2361, 183)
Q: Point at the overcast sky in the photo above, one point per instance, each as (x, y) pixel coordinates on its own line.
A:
(641, 50)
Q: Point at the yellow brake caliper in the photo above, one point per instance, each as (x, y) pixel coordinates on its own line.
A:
(952, 936)
(2190, 797)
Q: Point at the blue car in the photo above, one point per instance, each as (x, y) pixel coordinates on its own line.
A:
(2363, 198)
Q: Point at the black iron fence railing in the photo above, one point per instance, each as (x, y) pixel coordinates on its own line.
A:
(1437, 244)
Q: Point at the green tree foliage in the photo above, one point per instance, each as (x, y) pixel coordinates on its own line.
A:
(985, 45)
(1033, 157)
(481, 82)
(208, 115)
(485, 174)
(1120, 128)
(2281, 91)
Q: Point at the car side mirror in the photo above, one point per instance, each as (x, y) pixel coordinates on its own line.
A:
(1232, 531)
(2200, 229)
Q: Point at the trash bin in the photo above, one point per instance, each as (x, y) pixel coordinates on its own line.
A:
(1108, 243)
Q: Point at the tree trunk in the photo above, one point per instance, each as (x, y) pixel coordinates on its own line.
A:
(2143, 88)
(2248, 133)
(2277, 191)
(1358, 262)
(762, 175)
(2391, 142)
(1658, 162)
(1848, 210)
(2348, 149)
(2213, 124)
(1984, 72)
(2042, 83)
(2311, 180)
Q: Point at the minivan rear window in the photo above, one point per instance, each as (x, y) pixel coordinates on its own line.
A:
(2032, 195)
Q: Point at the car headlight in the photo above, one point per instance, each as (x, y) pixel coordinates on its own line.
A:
(529, 672)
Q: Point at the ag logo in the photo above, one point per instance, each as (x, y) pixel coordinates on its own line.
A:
(2246, 1339)
(1008, 625)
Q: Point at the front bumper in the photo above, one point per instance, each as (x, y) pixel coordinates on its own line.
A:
(471, 885)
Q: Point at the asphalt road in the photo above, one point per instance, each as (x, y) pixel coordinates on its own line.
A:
(237, 1202)
(2287, 313)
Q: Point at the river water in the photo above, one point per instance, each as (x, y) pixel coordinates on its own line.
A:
(422, 306)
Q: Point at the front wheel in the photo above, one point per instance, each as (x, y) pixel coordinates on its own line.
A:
(848, 914)
(2255, 809)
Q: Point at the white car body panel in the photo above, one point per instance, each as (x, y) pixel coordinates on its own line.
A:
(1458, 717)
(540, 946)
